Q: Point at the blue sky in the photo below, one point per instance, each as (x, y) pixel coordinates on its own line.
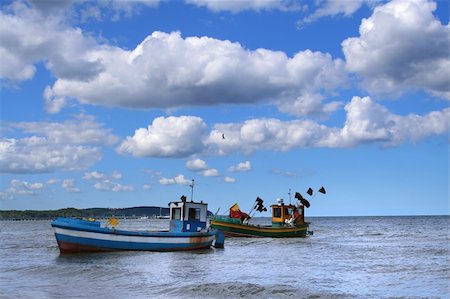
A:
(123, 103)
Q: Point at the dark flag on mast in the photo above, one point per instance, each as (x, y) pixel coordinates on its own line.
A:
(322, 190)
(310, 192)
(302, 200)
(259, 205)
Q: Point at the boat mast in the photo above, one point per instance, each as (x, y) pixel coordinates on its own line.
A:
(289, 196)
(192, 189)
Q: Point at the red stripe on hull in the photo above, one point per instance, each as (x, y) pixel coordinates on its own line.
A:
(65, 247)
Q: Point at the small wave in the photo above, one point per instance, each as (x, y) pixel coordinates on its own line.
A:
(370, 234)
(242, 290)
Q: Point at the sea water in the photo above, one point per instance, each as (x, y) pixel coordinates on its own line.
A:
(347, 257)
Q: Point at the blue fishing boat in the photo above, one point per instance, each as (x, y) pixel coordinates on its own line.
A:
(188, 231)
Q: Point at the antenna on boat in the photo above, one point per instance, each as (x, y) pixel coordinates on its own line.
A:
(289, 196)
(192, 189)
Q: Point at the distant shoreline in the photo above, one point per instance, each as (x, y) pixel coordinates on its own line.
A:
(96, 213)
(154, 216)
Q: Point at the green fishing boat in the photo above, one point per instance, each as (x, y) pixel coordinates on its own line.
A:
(288, 221)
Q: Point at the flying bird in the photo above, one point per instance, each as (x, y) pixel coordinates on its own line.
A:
(223, 136)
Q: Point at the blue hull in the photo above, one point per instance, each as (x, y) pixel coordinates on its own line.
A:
(75, 235)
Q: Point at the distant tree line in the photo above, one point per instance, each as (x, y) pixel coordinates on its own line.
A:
(84, 213)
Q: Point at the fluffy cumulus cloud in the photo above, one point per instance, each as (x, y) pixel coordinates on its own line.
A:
(309, 105)
(53, 146)
(243, 166)
(369, 122)
(20, 187)
(402, 46)
(177, 180)
(27, 37)
(196, 164)
(167, 70)
(38, 154)
(201, 167)
(167, 137)
(81, 130)
(266, 134)
(210, 172)
(366, 122)
(108, 185)
(105, 182)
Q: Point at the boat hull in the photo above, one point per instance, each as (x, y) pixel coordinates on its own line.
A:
(248, 230)
(83, 236)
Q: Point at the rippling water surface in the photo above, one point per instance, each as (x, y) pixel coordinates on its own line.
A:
(347, 257)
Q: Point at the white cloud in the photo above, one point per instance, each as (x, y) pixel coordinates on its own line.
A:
(69, 186)
(167, 137)
(179, 180)
(71, 145)
(196, 164)
(401, 46)
(28, 37)
(107, 185)
(104, 182)
(335, 7)
(266, 134)
(228, 179)
(210, 172)
(197, 71)
(19, 187)
(368, 122)
(242, 5)
(164, 71)
(147, 187)
(309, 105)
(84, 129)
(130, 7)
(38, 154)
(96, 175)
(243, 166)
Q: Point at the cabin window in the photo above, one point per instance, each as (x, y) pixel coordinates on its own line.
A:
(277, 212)
(194, 214)
(286, 211)
(176, 213)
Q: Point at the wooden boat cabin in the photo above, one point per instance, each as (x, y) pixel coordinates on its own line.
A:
(283, 215)
(187, 216)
